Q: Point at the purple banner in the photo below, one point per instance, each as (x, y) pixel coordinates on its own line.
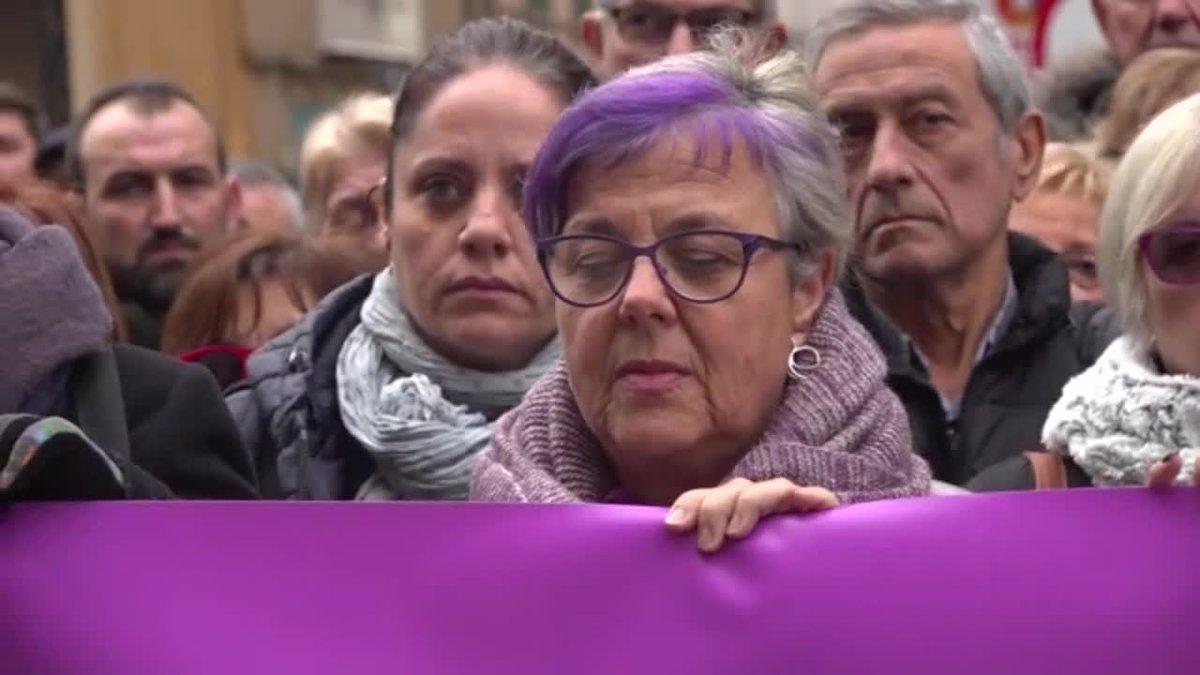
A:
(1056, 582)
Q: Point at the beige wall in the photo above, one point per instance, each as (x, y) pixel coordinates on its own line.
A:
(253, 64)
(194, 42)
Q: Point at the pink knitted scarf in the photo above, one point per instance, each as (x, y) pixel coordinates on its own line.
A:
(839, 427)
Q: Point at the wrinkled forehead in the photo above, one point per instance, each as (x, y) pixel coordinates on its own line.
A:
(118, 134)
(887, 62)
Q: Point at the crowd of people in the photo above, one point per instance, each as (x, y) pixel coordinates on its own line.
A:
(693, 266)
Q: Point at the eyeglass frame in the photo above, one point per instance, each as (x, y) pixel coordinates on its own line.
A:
(1146, 240)
(751, 243)
(748, 17)
(371, 204)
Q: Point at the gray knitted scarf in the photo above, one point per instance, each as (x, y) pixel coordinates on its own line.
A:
(51, 310)
(1121, 416)
(395, 395)
(838, 427)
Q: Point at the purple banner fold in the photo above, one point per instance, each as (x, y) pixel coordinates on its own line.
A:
(1060, 582)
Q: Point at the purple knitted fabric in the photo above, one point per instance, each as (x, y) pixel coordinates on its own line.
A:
(839, 427)
(51, 310)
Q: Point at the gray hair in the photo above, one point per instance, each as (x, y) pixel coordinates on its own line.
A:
(250, 173)
(767, 102)
(1000, 71)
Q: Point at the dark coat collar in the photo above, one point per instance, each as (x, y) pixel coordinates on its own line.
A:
(1043, 305)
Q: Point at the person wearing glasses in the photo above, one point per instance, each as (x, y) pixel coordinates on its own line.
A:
(389, 387)
(621, 34)
(342, 160)
(690, 218)
(1134, 416)
(1063, 210)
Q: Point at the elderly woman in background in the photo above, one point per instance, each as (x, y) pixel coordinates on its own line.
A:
(1063, 213)
(388, 388)
(689, 218)
(1140, 403)
(342, 160)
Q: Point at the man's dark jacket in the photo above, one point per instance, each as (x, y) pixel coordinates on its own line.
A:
(180, 438)
(1011, 390)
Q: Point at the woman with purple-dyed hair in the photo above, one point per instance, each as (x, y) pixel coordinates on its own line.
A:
(689, 219)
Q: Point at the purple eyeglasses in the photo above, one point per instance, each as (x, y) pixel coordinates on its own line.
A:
(1173, 253)
(587, 270)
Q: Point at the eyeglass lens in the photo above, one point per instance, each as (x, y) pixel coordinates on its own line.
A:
(700, 266)
(1174, 255)
(651, 24)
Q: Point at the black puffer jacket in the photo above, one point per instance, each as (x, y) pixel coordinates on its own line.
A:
(1011, 390)
(287, 410)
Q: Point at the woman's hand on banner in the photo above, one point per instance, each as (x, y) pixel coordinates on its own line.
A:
(733, 510)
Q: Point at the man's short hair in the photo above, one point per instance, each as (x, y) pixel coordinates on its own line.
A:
(14, 99)
(1000, 71)
(251, 172)
(147, 97)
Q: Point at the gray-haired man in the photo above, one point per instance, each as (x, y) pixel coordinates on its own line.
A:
(939, 140)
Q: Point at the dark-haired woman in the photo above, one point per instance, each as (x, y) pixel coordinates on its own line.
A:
(388, 389)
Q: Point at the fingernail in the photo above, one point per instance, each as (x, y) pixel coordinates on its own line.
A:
(1170, 457)
(676, 516)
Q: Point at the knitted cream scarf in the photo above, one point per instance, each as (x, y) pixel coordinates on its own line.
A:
(1119, 417)
(392, 394)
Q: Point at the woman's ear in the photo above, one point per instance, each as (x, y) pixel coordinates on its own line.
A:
(809, 293)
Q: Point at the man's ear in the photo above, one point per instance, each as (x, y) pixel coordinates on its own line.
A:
(1028, 145)
(809, 294)
(591, 34)
(233, 205)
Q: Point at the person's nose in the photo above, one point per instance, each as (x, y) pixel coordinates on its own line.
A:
(681, 40)
(889, 168)
(489, 229)
(1173, 16)
(165, 213)
(646, 300)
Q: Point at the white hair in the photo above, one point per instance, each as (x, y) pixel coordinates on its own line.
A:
(1001, 73)
(1158, 173)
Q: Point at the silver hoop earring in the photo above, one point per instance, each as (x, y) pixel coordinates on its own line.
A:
(802, 359)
